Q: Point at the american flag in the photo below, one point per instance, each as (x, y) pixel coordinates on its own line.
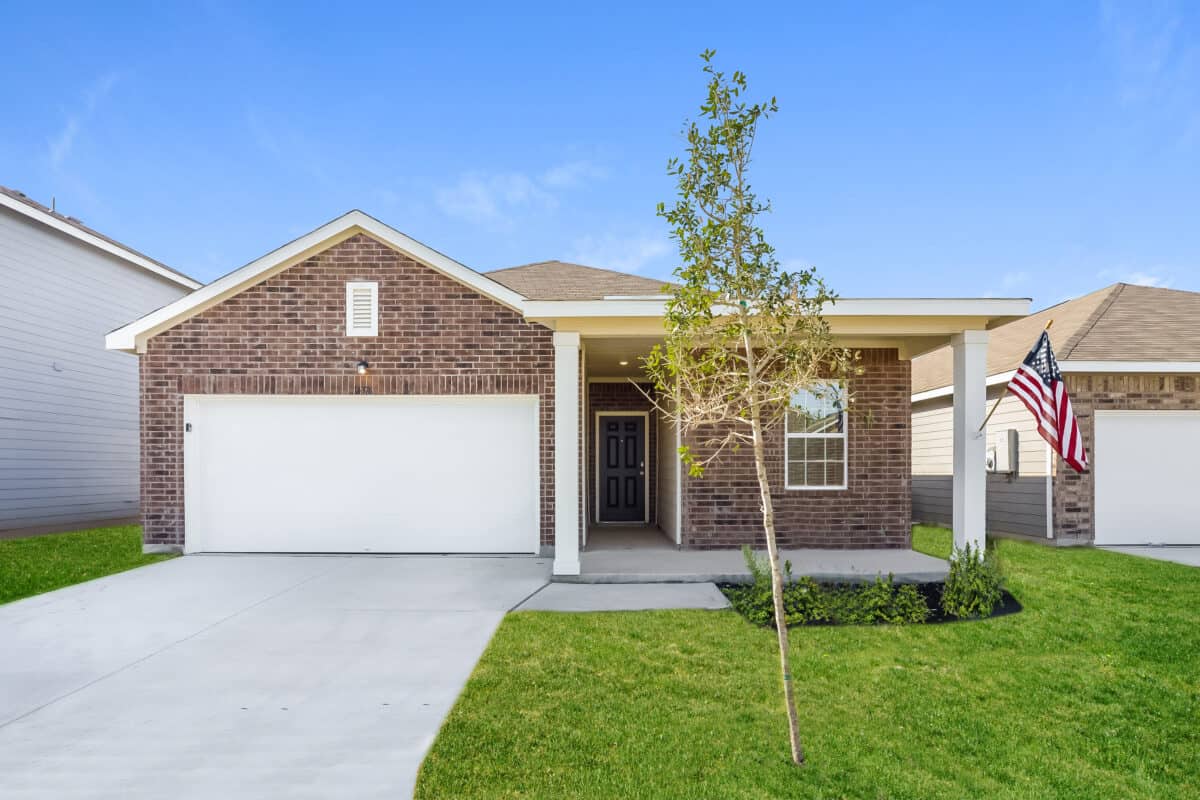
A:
(1038, 383)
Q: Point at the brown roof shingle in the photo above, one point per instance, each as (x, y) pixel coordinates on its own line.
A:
(1121, 322)
(560, 280)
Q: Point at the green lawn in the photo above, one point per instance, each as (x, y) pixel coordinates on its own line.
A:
(41, 563)
(1092, 692)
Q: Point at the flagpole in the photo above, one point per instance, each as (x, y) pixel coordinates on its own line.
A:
(1001, 397)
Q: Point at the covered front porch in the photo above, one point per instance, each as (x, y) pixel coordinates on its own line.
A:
(625, 512)
(644, 554)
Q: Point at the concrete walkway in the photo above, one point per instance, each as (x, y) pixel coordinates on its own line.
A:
(1182, 554)
(245, 676)
(668, 565)
(625, 597)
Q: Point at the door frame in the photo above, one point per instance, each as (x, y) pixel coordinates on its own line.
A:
(645, 415)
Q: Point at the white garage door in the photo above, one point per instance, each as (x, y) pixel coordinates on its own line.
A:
(322, 474)
(1147, 490)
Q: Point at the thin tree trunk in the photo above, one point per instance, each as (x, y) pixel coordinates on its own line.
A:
(768, 514)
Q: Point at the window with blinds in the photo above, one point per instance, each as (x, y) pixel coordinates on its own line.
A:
(362, 308)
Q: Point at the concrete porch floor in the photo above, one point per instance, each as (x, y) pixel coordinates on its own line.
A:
(646, 555)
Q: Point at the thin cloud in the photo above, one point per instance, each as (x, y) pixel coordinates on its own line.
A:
(624, 253)
(60, 146)
(1156, 64)
(493, 199)
(497, 199)
(1136, 277)
(288, 146)
(572, 174)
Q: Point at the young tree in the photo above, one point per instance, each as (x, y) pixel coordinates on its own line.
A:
(743, 336)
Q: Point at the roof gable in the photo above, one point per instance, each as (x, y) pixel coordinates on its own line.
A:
(1120, 323)
(132, 337)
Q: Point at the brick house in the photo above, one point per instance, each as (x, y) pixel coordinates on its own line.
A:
(1131, 359)
(358, 391)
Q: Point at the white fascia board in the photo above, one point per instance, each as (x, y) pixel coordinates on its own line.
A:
(542, 309)
(1079, 367)
(1164, 367)
(655, 306)
(127, 337)
(929, 307)
(945, 391)
(95, 241)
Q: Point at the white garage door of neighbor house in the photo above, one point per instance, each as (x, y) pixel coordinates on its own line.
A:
(1147, 490)
(362, 474)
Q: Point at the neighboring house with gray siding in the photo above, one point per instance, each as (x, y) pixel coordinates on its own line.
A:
(68, 407)
(1130, 356)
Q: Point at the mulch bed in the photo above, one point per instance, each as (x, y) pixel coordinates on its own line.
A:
(932, 592)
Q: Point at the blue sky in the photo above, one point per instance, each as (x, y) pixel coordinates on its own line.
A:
(924, 149)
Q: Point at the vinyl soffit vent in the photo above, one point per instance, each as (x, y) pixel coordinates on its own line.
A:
(362, 308)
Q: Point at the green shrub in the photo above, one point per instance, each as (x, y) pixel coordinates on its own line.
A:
(805, 601)
(880, 601)
(974, 586)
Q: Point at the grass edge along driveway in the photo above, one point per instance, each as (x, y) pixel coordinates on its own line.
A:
(37, 564)
(1093, 691)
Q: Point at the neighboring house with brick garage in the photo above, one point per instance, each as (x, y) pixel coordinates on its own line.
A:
(357, 391)
(68, 408)
(1130, 356)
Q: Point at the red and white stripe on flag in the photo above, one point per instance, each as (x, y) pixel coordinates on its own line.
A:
(1039, 384)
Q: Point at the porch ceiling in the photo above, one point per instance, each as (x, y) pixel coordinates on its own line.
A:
(603, 357)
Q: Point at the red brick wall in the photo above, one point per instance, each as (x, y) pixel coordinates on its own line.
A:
(722, 509)
(622, 396)
(287, 336)
(1074, 493)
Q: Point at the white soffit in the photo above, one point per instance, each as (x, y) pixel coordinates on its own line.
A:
(655, 306)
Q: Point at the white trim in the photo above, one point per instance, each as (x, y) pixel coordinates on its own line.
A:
(788, 436)
(679, 476)
(585, 523)
(645, 415)
(1130, 366)
(99, 243)
(1153, 367)
(568, 478)
(945, 391)
(1049, 490)
(371, 329)
(131, 337)
(653, 306)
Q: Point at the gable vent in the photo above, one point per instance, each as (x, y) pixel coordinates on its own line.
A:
(362, 308)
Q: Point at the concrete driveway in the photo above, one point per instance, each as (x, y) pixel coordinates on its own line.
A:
(245, 676)
(1180, 554)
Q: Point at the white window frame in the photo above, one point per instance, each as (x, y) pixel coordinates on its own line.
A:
(351, 288)
(790, 436)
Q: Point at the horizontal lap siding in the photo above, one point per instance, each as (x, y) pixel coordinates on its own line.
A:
(722, 509)
(68, 407)
(1014, 505)
(286, 335)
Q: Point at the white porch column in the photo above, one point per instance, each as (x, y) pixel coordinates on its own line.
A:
(970, 444)
(566, 454)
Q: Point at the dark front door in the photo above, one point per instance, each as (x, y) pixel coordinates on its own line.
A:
(622, 460)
